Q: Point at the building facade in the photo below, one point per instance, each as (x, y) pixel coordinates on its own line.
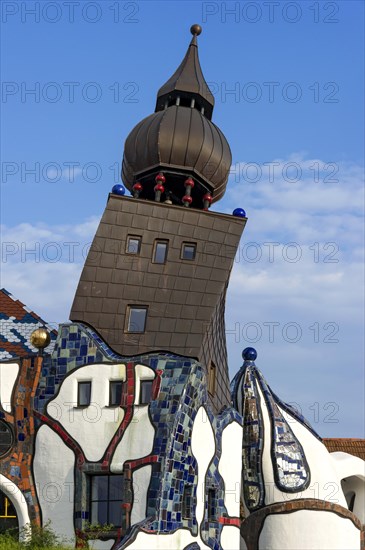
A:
(127, 432)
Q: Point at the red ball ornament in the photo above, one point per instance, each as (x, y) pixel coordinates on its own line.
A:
(160, 177)
(159, 187)
(137, 186)
(190, 182)
(208, 197)
(188, 199)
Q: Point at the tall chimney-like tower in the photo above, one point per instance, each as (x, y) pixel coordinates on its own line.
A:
(157, 272)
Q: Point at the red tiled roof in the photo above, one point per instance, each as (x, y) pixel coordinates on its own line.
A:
(355, 447)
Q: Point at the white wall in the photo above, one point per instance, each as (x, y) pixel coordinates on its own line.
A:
(141, 481)
(137, 441)
(309, 530)
(351, 472)
(94, 426)
(230, 468)
(8, 375)
(53, 468)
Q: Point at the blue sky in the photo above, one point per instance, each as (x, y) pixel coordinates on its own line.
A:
(288, 84)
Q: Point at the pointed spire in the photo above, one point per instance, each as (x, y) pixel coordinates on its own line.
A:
(187, 84)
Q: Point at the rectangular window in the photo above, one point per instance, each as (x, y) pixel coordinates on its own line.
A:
(212, 502)
(83, 394)
(187, 504)
(160, 252)
(145, 395)
(136, 318)
(115, 392)
(211, 378)
(106, 498)
(188, 251)
(6, 437)
(133, 244)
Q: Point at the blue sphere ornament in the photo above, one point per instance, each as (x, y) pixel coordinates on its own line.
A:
(239, 212)
(249, 354)
(118, 189)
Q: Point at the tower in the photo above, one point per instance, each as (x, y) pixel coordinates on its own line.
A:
(157, 272)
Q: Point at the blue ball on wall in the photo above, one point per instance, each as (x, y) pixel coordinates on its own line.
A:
(239, 212)
(118, 189)
(249, 354)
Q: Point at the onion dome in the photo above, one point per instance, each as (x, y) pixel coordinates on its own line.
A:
(179, 140)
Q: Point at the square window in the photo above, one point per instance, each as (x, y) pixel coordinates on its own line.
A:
(115, 392)
(145, 395)
(188, 251)
(83, 394)
(133, 244)
(160, 252)
(136, 318)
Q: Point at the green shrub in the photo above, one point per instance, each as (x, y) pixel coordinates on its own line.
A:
(7, 542)
(41, 538)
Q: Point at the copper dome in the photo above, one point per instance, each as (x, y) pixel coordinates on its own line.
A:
(181, 140)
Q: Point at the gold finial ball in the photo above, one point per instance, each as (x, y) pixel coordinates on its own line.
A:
(196, 29)
(40, 338)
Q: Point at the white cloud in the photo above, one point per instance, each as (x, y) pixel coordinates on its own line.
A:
(318, 298)
(41, 265)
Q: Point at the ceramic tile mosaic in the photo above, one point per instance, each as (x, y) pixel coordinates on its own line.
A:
(291, 470)
(252, 447)
(17, 322)
(210, 528)
(290, 466)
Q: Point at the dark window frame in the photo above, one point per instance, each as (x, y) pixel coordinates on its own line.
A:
(155, 244)
(111, 382)
(188, 244)
(187, 502)
(133, 237)
(79, 384)
(107, 500)
(130, 307)
(212, 505)
(148, 383)
(350, 499)
(212, 378)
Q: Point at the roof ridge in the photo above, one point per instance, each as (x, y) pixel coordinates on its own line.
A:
(343, 439)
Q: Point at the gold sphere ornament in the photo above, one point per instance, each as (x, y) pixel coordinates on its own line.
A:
(195, 29)
(40, 338)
